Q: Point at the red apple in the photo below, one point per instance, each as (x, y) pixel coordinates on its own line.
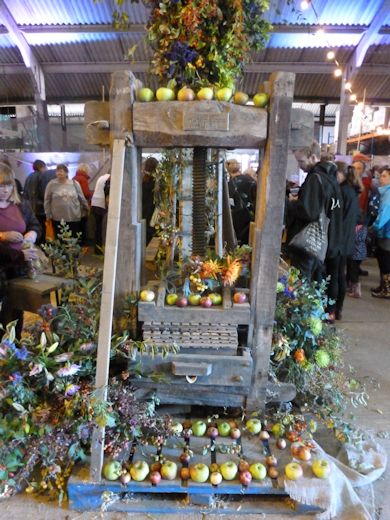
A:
(206, 302)
(235, 433)
(243, 465)
(156, 466)
(245, 478)
(273, 472)
(186, 94)
(155, 477)
(295, 446)
(185, 457)
(281, 443)
(304, 453)
(239, 297)
(182, 302)
(271, 460)
(212, 432)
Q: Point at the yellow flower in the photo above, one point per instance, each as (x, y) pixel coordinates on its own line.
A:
(210, 269)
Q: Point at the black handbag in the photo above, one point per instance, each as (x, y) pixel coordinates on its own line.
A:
(313, 238)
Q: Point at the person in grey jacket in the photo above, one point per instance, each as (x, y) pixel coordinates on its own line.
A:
(65, 201)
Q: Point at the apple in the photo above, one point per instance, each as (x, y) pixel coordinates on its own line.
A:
(112, 470)
(186, 94)
(199, 472)
(194, 299)
(295, 447)
(273, 472)
(261, 100)
(155, 477)
(264, 435)
(212, 432)
(206, 302)
(185, 457)
(239, 297)
(245, 478)
(243, 465)
(293, 471)
(271, 460)
(182, 302)
(224, 429)
(125, 478)
(258, 471)
(177, 428)
(139, 470)
(240, 98)
(199, 428)
(215, 478)
(205, 94)
(229, 470)
(185, 473)
(171, 298)
(146, 295)
(145, 94)
(304, 453)
(156, 466)
(235, 433)
(293, 436)
(165, 94)
(233, 423)
(168, 470)
(214, 468)
(278, 429)
(253, 425)
(224, 94)
(281, 443)
(215, 298)
(321, 468)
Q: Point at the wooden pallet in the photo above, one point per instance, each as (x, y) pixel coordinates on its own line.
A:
(267, 496)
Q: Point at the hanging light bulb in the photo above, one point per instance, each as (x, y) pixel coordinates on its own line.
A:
(353, 97)
(348, 85)
(330, 55)
(305, 4)
(338, 73)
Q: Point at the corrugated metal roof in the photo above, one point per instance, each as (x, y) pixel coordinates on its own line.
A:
(330, 110)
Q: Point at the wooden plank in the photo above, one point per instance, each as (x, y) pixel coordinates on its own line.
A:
(185, 211)
(107, 302)
(147, 311)
(172, 117)
(219, 215)
(268, 234)
(122, 95)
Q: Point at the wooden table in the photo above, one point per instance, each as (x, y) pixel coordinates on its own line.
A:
(28, 295)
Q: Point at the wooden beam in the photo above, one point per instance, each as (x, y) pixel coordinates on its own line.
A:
(345, 118)
(369, 37)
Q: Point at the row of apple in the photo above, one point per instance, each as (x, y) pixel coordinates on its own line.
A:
(146, 94)
(194, 299)
(201, 473)
(230, 428)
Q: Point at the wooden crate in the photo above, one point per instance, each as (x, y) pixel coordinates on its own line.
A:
(267, 496)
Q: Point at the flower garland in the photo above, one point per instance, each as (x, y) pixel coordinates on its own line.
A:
(205, 42)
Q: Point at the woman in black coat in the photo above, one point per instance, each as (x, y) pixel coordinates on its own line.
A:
(350, 190)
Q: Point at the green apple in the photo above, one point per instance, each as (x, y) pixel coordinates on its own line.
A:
(229, 470)
(278, 429)
(112, 470)
(139, 470)
(177, 428)
(321, 468)
(224, 94)
(145, 94)
(186, 94)
(169, 470)
(215, 298)
(253, 426)
(261, 100)
(224, 429)
(146, 295)
(205, 94)
(293, 471)
(240, 98)
(171, 298)
(194, 299)
(199, 428)
(258, 471)
(165, 94)
(199, 472)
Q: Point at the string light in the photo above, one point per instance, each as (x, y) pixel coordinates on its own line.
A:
(348, 85)
(353, 97)
(338, 73)
(330, 55)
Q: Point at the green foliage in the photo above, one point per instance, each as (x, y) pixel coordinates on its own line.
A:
(308, 352)
(64, 252)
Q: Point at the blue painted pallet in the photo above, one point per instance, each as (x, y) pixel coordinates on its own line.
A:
(266, 496)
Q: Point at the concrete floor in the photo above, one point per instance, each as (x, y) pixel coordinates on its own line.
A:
(366, 323)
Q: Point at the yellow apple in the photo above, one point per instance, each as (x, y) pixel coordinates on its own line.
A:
(205, 94)
(186, 94)
(224, 94)
(165, 94)
(261, 100)
(240, 98)
(145, 94)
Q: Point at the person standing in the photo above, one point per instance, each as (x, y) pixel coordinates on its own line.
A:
(98, 207)
(381, 227)
(64, 201)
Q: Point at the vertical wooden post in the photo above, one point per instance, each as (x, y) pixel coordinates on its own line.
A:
(268, 232)
(107, 303)
(186, 212)
(344, 119)
(218, 223)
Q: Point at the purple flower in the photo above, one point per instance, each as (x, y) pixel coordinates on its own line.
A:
(71, 390)
(69, 370)
(87, 347)
(36, 369)
(21, 353)
(65, 356)
(16, 378)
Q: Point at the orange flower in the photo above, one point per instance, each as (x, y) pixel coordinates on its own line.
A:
(299, 355)
(231, 272)
(210, 269)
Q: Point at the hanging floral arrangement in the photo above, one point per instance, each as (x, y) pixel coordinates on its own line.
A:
(205, 42)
